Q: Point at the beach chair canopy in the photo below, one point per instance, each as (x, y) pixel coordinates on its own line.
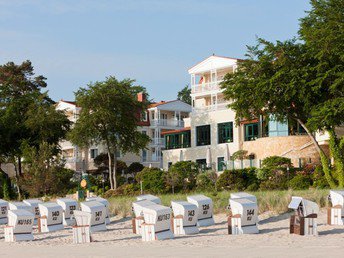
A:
(303, 206)
(149, 197)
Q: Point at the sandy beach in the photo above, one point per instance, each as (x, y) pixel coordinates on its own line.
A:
(274, 240)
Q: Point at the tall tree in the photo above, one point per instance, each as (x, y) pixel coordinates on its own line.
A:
(323, 34)
(109, 115)
(185, 95)
(27, 116)
(296, 79)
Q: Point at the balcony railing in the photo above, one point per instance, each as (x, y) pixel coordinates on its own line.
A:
(167, 122)
(207, 86)
(158, 141)
(218, 106)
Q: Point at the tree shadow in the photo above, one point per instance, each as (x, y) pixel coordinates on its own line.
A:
(275, 218)
(270, 230)
(332, 231)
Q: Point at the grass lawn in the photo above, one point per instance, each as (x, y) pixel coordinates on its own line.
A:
(274, 201)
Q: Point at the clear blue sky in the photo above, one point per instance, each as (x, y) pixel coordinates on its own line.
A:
(153, 41)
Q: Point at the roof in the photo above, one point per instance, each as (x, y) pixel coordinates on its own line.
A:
(162, 102)
(213, 62)
(69, 102)
(176, 131)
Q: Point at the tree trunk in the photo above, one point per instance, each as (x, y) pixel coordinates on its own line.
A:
(337, 156)
(17, 180)
(19, 166)
(324, 159)
(110, 168)
(114, 169)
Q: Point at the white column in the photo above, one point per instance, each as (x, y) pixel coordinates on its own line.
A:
(179, 119)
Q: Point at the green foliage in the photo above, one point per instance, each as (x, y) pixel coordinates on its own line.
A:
(273, 174)
(299, 79)
(239, 155)
(188, 172)
(27, 116)
(206, 180)
(239, 179)
(110, 114)
(173, 178)
(185, 95)
(300, 182)
(274, 162)
(318, 178)
(135, 167)
(152, 180)
(44, 172)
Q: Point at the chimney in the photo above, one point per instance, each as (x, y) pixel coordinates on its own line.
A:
(141, 97)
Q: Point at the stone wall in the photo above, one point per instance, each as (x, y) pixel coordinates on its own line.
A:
(293, 147)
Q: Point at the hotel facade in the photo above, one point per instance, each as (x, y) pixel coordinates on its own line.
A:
(211, 136)
(158, 118)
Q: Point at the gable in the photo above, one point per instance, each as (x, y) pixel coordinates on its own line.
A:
(212, 62)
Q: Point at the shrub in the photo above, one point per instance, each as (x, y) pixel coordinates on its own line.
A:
(173, 179)
(206, 180)
(319, 180)
(300, 182)
(152, 180)
(236, 179)
(123, 190)
(276, 162)
(134, 168)
(188, 172)
(239, 155)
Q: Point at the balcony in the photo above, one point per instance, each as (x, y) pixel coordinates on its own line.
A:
(218, 106)
(205, 87)
(167, 122)
(157, 141)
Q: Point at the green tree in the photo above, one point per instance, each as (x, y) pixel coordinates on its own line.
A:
(152, 180)
(27, 116)
(173, 178)
(298, 80)
(323, 34)
(185, 95)
(188, 172)
(44, 173)
(109, 115)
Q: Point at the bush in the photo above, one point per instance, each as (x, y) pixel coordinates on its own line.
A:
(237, 179)
(300, 182)
(319, 180)
(276, 162)
(188, 172)
(206, 180)
(135, 167)
(274, 175)
(123, 190)
(152, 180)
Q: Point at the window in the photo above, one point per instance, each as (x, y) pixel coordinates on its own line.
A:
(177, 140)
(93, 153)
(203, 135)
(144, 116)
(202, 163)
(220, 164)
(225, 132)
(169, 164)
(118, 154)
(251, 132)
(144, 155)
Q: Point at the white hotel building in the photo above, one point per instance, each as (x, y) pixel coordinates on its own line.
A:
(159, 117)
(211, 136)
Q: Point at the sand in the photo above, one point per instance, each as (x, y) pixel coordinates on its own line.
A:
(274, 240)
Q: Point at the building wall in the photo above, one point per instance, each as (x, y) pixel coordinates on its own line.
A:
(293, 147)
(199, 152)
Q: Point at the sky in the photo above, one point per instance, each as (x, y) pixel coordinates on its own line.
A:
(75, 42)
